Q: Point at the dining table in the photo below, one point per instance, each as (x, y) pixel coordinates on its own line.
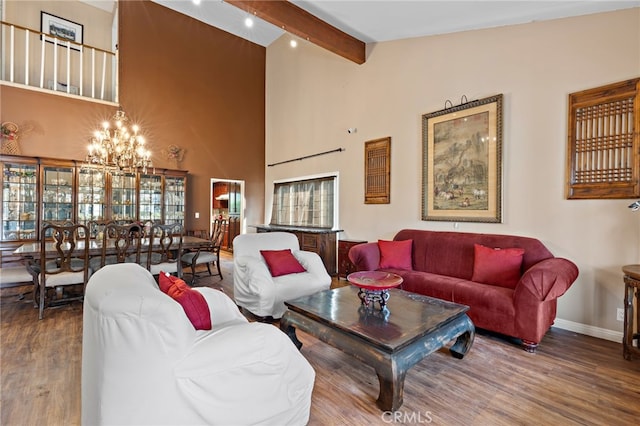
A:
(33, 249)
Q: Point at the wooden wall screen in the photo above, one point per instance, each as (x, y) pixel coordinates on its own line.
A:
(377, 171)
(604, 141)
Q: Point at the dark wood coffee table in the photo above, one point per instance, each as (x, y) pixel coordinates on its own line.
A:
(391, 340)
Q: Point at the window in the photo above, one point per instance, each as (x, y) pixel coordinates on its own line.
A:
(602, 158)
(305, 203)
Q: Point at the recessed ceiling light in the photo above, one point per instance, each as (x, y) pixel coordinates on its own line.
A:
(248, 22)
(293, 43)
(196, 2)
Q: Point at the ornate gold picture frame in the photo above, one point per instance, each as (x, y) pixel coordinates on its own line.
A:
(462, 162)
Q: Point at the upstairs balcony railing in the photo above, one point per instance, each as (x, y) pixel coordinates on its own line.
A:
(38, 60)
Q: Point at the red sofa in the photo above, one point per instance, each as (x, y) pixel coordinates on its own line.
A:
(443, 267)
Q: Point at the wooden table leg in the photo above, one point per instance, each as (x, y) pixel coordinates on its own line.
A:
(289, 330)
(391, 379)
(464, 341)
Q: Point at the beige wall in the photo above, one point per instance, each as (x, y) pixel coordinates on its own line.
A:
(313, 96)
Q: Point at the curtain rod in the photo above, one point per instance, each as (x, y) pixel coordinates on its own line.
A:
(307, 156)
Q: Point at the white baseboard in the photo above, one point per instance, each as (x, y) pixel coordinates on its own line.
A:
(589, 330)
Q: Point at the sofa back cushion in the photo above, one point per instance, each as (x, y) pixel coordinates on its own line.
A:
(497, 266)
(452, 253)
(251, 244)
(194, 304)
(282, 262)
(395, 254)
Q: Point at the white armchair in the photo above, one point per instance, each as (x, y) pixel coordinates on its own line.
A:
(253, 286)
(143, 363)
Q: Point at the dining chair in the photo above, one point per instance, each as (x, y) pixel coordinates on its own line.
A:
(164, 249)
(207, 254)
(120, 244)
(66, 264)
(33, 265)
(96, 228)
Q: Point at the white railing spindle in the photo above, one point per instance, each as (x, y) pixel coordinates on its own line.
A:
(104, 73)
(26, 57)
(80, 65)
(42, 57)
(55, 64)
(68, 67)
(11, 53)
(93, 73)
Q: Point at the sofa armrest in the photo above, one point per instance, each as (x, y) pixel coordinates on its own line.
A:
(548, 279)
(251, 274)
(312, 262)
(366, 256)
(246, 374)
(223, 310)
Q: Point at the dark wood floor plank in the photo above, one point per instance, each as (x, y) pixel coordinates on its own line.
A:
(573, 379)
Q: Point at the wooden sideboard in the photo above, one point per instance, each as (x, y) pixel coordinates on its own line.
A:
(318, 240)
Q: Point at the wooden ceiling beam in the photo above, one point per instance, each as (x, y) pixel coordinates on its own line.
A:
(298, 21)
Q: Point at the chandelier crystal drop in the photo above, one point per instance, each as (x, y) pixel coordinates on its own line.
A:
(119, 145)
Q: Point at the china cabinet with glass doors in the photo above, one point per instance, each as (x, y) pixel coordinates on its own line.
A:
(91, 190)
(57, 193)
(19, 207)
(35, 190)
(124, 206)
(150, 198)
(174, 198)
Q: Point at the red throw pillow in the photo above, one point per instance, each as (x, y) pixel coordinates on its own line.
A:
(193, 303)
(282, 262)
(498, 266)
(396, 254)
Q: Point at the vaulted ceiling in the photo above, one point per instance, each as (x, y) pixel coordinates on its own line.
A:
(346, 26)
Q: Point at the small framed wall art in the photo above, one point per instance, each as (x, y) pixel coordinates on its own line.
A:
(62, 29)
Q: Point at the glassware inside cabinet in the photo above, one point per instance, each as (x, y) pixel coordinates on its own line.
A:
(19, 201)
(123, 188)
(150, 197)
(57, 193)
(174, 199)
(91, 194)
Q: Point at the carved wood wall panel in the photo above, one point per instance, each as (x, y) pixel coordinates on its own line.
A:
(377, 171)
(603, 142)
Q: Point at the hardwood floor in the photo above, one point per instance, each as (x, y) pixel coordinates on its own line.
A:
(573, 379)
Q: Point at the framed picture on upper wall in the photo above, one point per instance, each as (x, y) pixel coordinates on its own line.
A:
(63, 29)
(462, 162)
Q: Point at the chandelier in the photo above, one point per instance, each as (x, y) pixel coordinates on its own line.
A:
(119, 145)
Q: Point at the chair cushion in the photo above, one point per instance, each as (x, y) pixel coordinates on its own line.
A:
(500, 266)
(14, 274)
(203, 257)
(395, 254)
(282, 262)
(193, 302)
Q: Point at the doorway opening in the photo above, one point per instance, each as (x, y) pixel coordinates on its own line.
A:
(227, 202)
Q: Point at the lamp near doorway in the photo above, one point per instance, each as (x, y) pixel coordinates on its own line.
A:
(119, 145)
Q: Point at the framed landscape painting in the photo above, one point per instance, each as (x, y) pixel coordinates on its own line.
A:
(61, 28)
(462, 162)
